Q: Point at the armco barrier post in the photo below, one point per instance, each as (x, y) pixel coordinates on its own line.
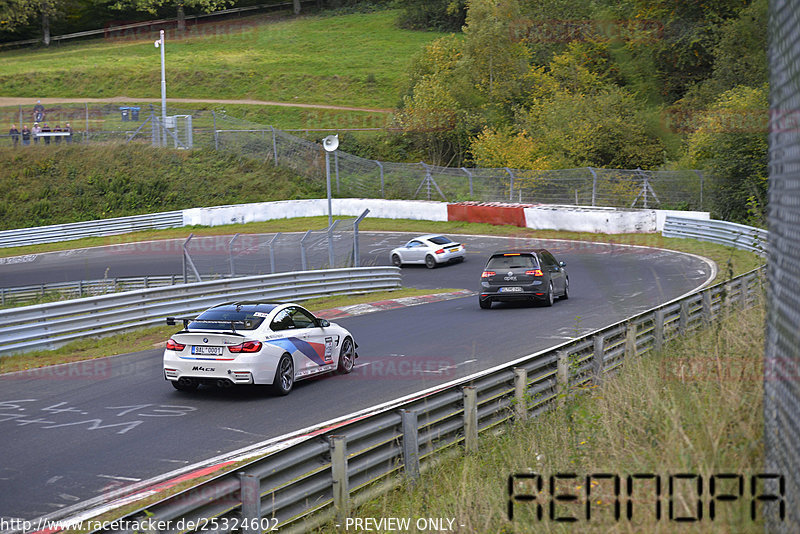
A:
(683, 319)
(341, 489)
(707, 311)
(562, 376)
(598, 359)
(250, 492)
(658, 329)
(520, 390)
(630, 340)
(410, 444)
(470, 419)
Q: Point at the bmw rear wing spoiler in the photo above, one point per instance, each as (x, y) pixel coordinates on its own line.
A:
(171, 321)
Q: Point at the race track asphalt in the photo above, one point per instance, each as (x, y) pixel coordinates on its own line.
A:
(74, 432)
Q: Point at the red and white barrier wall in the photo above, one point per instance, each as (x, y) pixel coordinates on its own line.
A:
(540, 217)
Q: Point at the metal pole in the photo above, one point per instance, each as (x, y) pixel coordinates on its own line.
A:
(380, 166)
(594, 185)
(410, 443)
(520, 388)
(562, 376)
(331, 258)
(216, 134)
(469, 175)
(658, 329)
(336, 167)
(250, 492)
(470, 419)
(163, 91)
(511, 185)
(597, 358)
(328, 183)
(630, 340)
(272, 252)
(356, 252)
(274, 147)
(341, 490)
(230, 254)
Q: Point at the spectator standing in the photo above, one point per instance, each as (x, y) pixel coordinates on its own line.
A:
(68, 129)
(58, 137)
(14, 133)
(36, 131)
(26, 136)
(46, 130)
(38, 112)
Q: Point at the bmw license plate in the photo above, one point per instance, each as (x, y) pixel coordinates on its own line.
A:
(207, 351)
(513, 289)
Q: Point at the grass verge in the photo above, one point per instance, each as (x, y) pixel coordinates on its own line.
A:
(253, 58)
(155, 337)
(694, 408)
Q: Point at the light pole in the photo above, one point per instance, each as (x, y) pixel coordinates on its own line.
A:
(160, 44)
(330, 144)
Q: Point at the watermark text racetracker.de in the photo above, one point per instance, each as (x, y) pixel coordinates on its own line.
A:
(213, 524)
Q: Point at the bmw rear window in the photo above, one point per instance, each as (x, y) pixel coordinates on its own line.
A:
(440, 240)
(509, 261)
(227, 319)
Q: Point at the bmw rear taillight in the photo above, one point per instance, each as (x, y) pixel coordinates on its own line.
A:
(440, 251)
(487, 274)
(535, 272)
(173, 345)
(247, 346)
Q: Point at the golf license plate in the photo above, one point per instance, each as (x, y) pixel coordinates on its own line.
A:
(512, 289)
(207, 351)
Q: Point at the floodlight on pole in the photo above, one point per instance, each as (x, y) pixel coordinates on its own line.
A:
(161, 44)
(330, 144)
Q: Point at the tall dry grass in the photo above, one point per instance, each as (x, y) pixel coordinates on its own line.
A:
(694, 408)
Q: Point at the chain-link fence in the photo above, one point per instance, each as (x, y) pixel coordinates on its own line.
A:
(353, 176)
(782, 353)
(210, 257)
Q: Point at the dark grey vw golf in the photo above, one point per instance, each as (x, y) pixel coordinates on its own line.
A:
(513, 275)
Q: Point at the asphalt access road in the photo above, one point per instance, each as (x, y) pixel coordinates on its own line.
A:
(74, 432)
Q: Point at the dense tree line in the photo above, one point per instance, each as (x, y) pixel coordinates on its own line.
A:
(640, 83)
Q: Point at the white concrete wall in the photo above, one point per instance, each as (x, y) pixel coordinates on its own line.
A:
(286, 209)
(661, 216)
(594, 220)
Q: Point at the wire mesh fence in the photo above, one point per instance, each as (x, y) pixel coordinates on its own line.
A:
(210, 257)
(354, 176)
(782, 352)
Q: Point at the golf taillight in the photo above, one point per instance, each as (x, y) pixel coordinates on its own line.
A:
(173, 345)
(535, 272)
(487, 274)
(247, 346)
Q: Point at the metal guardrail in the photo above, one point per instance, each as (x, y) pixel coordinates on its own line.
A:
(320, 475)
(20, 295)
(720, 232)
(98, 228)
(47, 326)
(318, 478)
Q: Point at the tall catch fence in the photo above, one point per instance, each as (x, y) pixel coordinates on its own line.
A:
(210, 257)
(354, 176)
(782, 351)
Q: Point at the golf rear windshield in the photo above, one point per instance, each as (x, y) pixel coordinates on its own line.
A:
(521, 261)
(226, 320)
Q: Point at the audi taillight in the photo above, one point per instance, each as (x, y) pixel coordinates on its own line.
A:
(440, 251)
(247, 346)
(487, 274)
(174, 345)
(535, 272)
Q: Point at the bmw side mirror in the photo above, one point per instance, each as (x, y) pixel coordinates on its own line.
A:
(323, 323)
(562, 263)
(171, 321)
